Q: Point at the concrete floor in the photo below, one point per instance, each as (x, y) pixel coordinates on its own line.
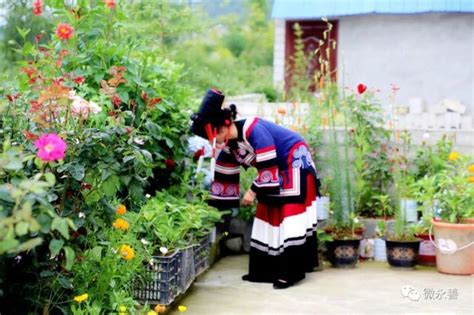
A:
(370, 288)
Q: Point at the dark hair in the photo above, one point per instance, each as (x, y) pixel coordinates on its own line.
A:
(228, 115)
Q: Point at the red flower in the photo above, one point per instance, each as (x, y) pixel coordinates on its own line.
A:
(198, 154)
(129, 129)
(38, 37)
(170, 164)
(13, 97)
(35, 106)
(64, 31)
(38, 7)
(144, 96)
(361, 88)
(79, 80)
(85, 186)
(110, 3)
(29, 135)
(116, 100)
(155, 100)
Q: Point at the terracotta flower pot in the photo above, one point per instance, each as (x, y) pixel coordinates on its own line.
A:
(455, 247)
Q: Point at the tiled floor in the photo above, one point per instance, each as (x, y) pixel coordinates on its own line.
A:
(370, 288)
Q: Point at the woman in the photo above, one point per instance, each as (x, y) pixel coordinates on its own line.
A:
(283, 242)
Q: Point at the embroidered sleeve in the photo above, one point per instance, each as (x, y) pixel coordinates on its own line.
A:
(225, 190)
(267, 180)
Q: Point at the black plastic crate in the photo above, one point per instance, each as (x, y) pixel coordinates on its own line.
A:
(201, 254)
(161, 281)
(186, 273)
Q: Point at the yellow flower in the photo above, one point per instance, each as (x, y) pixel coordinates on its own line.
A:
(121, 209)
(126, 252)
(470, 179)
(121, 224)
(152, 313)
(182, 308)
(81, 298)
(122, 308)
(470, 168)
(160, 308)
(453, 156)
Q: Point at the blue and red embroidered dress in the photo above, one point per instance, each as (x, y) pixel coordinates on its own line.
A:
(283, 242)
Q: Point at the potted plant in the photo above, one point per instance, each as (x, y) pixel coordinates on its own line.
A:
(402, 245)
(454, 232)
(343, 249)
(424, 194)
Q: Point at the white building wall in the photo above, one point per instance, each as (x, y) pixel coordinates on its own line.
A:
(429, 56)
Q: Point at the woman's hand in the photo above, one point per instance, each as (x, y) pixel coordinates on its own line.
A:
(249, 198)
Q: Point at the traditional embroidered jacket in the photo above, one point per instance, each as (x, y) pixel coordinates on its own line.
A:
(281, 157)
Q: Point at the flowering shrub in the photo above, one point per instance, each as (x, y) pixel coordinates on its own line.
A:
(100, 120)
(455, 189)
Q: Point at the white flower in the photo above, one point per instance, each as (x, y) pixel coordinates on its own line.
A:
(82, 215)
(356, 220)
(151, 262)
(426, 136)
(138, 141)
(147, 196)
(81, 107)
(144, 241)
(163, 250)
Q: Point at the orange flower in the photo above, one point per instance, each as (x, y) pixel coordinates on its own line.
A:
(121, 209)
(121, 224)
(470, 179)
(470, 168)
(126, 252)
(281, 110)
(453, 156)
(160, 308)
(64, 31)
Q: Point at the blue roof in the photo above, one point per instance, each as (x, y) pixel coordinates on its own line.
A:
(312, 9)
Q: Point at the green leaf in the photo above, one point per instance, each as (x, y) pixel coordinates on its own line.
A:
(28, 244)
(64, 282)
(50, 178)
(60, 225)
(70, 256)
(78, 172)
(111, 185)
(7, 245)
(55, 247)
(96, 253)
(169, 143)
(23, 32)
(128, 158)
(21, 228)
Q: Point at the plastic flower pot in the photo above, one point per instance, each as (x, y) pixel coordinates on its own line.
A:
(402, 254)
(380, 250)
(454, 247)
(427, 253)
(343, 253)
(409, 206)
(323, 208)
